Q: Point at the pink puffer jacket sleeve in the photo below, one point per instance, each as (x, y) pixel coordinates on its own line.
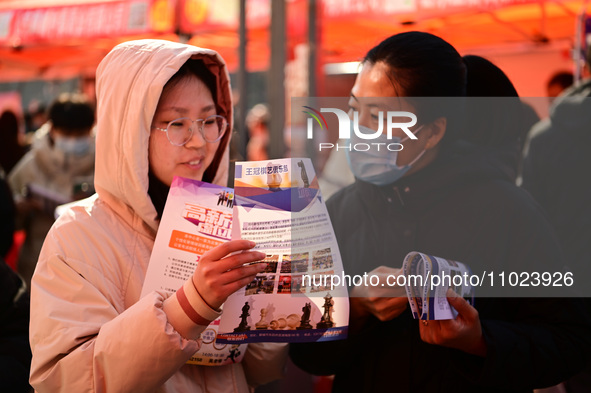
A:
(83, 342)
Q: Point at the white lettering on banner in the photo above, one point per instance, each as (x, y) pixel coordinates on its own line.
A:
(118, 18)
(101, 18)
(336, 8)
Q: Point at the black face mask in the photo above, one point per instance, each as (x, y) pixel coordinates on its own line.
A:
(158, 192)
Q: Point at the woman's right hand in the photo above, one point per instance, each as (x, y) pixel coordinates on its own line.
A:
(219, 274)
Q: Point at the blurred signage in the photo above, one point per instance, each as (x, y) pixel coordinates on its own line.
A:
(201, 16)
(85, 20)
(339, 9)
(357, 8)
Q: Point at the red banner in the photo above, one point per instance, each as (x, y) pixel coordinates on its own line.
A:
(90, 20)
(372, 9)
(205, 16)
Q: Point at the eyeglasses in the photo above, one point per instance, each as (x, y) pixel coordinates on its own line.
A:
(180, 131)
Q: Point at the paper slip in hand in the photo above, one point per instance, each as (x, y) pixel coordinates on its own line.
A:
(427, 280)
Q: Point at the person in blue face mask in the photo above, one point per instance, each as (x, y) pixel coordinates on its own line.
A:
(446, 195)
(58, 169)
(71, 119)
(380, 167)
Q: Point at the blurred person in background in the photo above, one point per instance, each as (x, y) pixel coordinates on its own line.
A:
(558, 82)
(257, 122)
(11, 147)
(556, 173)
(7, 217)
(58, 169)
(15, 353)
(35, 116)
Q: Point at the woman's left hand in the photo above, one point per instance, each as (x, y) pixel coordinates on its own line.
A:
(463, 333)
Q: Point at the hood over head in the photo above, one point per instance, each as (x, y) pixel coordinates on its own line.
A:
(129, 82)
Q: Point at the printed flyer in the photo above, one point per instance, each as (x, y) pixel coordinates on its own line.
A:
(278, 205)
(427, 281)
(196, 218)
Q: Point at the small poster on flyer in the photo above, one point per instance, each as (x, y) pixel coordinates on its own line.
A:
(196, 218)
(278, 205)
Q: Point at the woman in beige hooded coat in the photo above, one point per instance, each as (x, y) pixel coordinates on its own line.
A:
(90, 331)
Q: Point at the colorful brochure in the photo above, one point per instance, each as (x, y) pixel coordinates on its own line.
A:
(278, 205)
(427, 280)
(196, 218)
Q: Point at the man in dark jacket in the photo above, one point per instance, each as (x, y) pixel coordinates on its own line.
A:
(464, 207)
(556, 173)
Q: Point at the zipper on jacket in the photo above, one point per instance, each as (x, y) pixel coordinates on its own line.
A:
(397, 191)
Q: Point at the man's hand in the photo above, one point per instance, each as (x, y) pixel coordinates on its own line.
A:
(463, 333)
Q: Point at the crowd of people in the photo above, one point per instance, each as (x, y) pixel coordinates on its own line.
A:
(451, 192)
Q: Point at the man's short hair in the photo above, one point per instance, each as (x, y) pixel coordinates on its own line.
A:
(564, 79)
(71, 113)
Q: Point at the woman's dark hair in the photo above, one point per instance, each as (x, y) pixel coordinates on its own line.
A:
(484, 79)
(424, 65)
(197, 68)
(495, 116)
(493, 113)
(421, 64)
(157, 190)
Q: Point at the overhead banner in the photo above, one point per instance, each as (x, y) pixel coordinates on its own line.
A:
(86, 20)
(200, 16)
(339, 9)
